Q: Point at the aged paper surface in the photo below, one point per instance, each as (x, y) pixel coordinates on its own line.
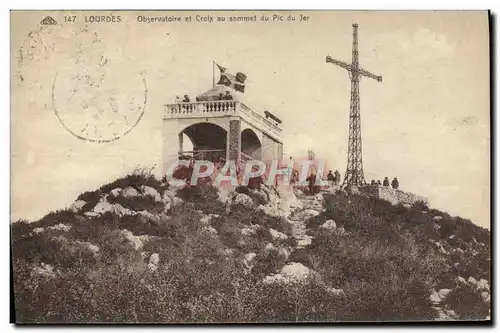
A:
(106, 105)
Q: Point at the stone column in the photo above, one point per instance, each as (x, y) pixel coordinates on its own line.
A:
(181, 138)
(234, 140)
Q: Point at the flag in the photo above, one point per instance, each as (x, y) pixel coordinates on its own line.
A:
(240, 77)
(222, 69)
(237, 82)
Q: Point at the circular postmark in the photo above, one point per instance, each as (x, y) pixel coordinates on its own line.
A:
(98, 96)
(98, 106)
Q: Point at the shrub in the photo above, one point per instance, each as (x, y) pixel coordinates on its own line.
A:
(91, 199)
(137, 203)
(204, 197)
(467, 303)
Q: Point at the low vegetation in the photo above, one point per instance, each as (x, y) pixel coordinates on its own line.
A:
(385, 262)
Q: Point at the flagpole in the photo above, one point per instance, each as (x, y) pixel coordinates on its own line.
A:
(213, 74)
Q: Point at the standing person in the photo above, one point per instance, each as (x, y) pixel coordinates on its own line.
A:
(395, 183)
(330, 178)
(186, 99)
(337, 177)
(386, 181)
(379, 183)
(312, 180)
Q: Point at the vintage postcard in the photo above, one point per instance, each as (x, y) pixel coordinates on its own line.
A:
(250, 166)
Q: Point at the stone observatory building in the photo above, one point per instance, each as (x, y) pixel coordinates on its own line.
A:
(220, 127)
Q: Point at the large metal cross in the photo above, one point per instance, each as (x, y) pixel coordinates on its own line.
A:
(354, 174)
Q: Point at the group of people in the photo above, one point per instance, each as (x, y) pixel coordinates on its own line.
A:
(394, 183)
(333, 177)
(226, 97)
(220, 97)
(185, 100)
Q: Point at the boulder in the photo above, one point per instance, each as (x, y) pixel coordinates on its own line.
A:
(443, 293)
(336, 292)
(116, 191)
(434, 297)
(60, 227)
(284, 253)
(483, 285)
(485, 296)
(91, 214)
(292, 272)
(130, 192)
(340, 231)
(176, 201)
(250, 256)
(45, 270)
(329, 225)
(277, 235)
(88, 246)
(304, 241)
(269, 247)
(38, 230)
(148, 190)
(407, 206)
(243, 199)
(471, 280)
(304, 215)
(437, 218)
(440, 247)
(210, 230)
(77, 206)
(154, 259)
(461, 280)
(205, 219)
(136, 241)
(152, 217)
(298, 192)
(104, 206)
(250, 230)
(318, 197)
(282, 201)
(167, 196)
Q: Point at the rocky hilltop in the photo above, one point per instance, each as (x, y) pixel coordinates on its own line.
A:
(138, 251)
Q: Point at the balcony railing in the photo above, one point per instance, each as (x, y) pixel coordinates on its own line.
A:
(220, 109)
(194, 109)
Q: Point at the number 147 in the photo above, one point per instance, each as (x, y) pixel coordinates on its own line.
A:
(69, 19)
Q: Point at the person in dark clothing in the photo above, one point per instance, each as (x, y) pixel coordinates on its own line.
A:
(221, 96)
(186, 99)
(337, 177)
(379, 183)
(386, 181)
(330, 176)
(312, 180)
(228, 96)
(395, 183)
(373, 182)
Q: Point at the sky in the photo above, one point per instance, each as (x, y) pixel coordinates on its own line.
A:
(427, 123)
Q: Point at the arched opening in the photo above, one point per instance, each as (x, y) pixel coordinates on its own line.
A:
(250, 145)
(208, 142)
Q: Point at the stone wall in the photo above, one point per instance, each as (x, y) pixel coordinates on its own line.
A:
(271, 149)
(393, 196)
